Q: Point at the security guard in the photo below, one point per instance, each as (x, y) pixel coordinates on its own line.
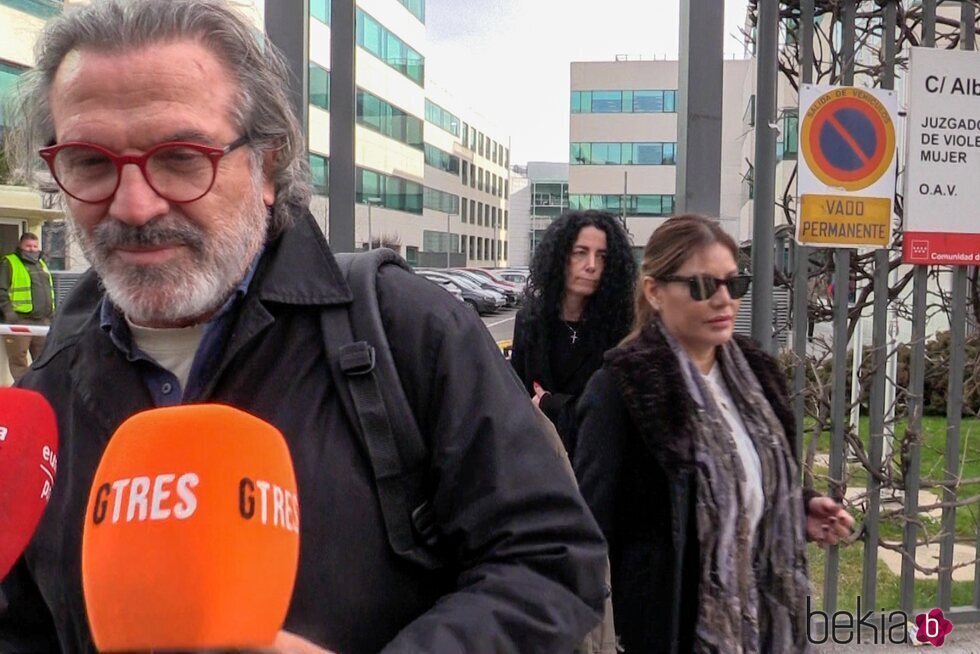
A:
(26, 298)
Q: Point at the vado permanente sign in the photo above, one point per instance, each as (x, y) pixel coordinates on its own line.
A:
(847, 171)
(942, 174)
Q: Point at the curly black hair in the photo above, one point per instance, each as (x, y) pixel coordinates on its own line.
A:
(610, 308)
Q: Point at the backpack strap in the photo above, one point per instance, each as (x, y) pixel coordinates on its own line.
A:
(370, 389)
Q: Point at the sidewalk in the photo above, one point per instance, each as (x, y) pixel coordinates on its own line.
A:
(965, 639)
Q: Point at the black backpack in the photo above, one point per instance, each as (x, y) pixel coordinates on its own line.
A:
(371, 392)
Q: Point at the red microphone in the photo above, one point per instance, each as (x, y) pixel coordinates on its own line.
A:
(191, 537)
(28, 462)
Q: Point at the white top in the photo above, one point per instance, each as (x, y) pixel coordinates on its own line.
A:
(173, 349)
(752, 493)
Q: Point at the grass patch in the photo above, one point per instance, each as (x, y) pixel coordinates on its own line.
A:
(933, 466)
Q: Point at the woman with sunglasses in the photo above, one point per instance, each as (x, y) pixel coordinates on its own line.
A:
(579, 304)
(685, 454)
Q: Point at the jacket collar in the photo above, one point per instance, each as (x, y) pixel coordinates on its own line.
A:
(649, 377)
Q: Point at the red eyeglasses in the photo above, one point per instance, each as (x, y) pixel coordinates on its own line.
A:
(177, 171)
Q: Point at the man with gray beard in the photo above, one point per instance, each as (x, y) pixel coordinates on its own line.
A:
(166, 127)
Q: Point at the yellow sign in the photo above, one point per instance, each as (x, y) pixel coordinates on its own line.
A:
(836, 220)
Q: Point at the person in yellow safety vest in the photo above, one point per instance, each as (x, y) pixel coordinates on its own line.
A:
(26, 298)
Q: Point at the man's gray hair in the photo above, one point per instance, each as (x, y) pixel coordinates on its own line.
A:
(261, 110)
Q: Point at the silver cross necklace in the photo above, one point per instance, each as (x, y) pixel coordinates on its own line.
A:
(573, 331)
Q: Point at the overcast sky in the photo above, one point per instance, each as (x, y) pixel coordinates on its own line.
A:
(509, 59)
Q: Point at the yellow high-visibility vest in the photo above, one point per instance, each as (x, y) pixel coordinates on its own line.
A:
(20, 284)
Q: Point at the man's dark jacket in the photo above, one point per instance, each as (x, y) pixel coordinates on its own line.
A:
(634, 460)
(529, 558)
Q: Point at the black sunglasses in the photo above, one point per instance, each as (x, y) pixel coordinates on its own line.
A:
(703, 287)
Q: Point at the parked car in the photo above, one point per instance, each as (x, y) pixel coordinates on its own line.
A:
(491, 275)
(517, 277)
(511, 295)
(481, 301)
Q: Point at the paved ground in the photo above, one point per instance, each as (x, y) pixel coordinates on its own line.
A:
(965, 639)
(501, 324)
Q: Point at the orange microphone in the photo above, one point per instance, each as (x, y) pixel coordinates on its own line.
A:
(191, 537)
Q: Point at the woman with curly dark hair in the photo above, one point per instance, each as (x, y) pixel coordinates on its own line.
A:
(578, 305)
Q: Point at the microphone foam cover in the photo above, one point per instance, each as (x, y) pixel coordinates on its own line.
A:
(28, 463)
(191, 536)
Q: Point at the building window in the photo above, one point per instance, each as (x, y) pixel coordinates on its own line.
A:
(433, 241)
(790, 138)
(320, 171)
(629, 154)
(604, 102)
(40, 8)
(466, 136)
(635, 205)
(383, 44)
(417, 7)
(441, 118)
(472, 212)
(319, 87)
(394, 192)
(320, 9)
(412, 255)
(442, 160)
(388, 120)
(440, 201)
(9, 74)
(463, 207)
(506, 218)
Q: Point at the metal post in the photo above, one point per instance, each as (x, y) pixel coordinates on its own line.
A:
(764, 176)
(699, 105)
(842, 278)
(954, 397)
(880, 358)
(915, 401)
(801, 259)
(342, 115)
(287, 25)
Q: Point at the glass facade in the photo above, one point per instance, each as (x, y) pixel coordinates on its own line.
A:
(320, 172)
(39, 8)
(9, 74)
(628, 102)
(549, 199)
(630, 154)
(417, 7)
(320, 9)
(387, 119)
(636, 205)
(440, 201)
(442, 160)
(383, 44)
(319, 86)
(441, 118)
(394, 192)
(436, 241)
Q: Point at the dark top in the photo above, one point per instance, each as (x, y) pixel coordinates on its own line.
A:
(561, 367)
(527, 567)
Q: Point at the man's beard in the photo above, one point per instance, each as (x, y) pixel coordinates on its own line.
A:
(183, 290)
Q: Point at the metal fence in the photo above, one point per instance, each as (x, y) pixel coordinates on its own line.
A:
(796, 20)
